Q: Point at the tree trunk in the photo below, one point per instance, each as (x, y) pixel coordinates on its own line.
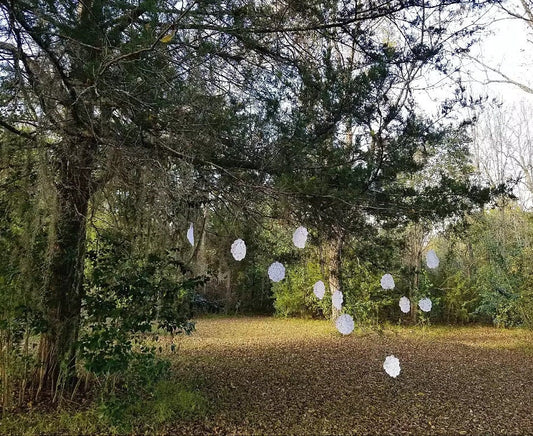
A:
(200, 252)
(63, 291)
(335, 265)
(414, 293)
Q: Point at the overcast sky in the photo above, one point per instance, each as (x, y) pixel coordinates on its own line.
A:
(507, 46)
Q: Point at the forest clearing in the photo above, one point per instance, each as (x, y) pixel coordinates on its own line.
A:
(284, 376)
(266, 217)
(265, 375)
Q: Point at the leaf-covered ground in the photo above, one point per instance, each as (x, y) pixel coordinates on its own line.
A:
(280, 376)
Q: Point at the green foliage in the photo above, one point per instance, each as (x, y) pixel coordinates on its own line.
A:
(364, 298)
(500, 308)
(525, 308)
(294, 295)
(122, 394)
(428, 289)
(127, 293)
(460, 300)
(243, 287)
(174, 401)
(146, 397)
(23, 243)
(502, 240)
(487, 273)
(131, 102)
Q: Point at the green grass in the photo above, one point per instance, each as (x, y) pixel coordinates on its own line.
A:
(63, 422)
(171, 401)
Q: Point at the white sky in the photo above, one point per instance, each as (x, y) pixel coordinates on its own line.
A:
(507, 46)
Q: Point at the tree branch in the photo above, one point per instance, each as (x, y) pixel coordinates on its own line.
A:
(41, 44)
(506, 79)
(381, 10)
(121, 23)
(16, 131)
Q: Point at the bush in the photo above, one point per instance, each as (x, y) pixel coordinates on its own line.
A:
(146, 396)
(525, 307)
(294, 295)
(500, 307)
(127, 294)
(143, 399)
(364, 298)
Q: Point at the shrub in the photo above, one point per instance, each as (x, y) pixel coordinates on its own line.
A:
(294, 295)
(501, 307)
(127, 294)
(364, 298)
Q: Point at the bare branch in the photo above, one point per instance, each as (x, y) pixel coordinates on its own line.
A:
(504, 77)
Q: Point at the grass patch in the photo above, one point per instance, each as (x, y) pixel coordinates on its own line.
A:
(171, 401)
(65, 421)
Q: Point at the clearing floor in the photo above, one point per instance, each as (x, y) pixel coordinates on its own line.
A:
(289, 376)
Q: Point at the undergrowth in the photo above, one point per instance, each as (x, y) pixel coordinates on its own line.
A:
(170, 400)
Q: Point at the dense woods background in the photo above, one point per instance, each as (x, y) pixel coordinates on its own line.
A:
(123, 122)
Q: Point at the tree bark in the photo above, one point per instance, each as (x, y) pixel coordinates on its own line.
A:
(64, 281)
(414, 292)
